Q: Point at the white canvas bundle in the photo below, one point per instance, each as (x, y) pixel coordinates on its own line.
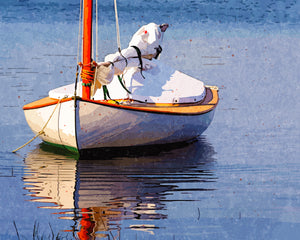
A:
(148, 38)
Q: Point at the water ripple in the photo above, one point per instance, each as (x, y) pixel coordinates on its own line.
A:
(132, 186)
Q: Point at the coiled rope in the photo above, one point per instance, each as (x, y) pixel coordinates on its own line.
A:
(42, 130)
(87, 76)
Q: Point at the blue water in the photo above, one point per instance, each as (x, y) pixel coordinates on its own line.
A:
(240, 180)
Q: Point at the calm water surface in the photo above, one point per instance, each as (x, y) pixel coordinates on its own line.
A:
(240, 180)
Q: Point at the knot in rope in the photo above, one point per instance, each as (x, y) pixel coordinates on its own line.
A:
(87, 76)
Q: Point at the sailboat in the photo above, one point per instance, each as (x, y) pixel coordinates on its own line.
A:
(74, 118)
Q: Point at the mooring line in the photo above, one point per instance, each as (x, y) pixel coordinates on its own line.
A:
(42, 130)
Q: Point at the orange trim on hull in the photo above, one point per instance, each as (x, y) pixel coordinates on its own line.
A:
(215, 98)
(208, 104)
(44, 102)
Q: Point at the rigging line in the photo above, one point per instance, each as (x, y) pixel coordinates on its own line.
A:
(43, 128)
(117, 26)
(118, 31)
(79, 30)
(96, 52)
(95, 49)
(78, 48)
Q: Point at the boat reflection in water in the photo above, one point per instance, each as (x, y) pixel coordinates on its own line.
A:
(122, 184)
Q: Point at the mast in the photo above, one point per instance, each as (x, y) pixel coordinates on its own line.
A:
(87, 47)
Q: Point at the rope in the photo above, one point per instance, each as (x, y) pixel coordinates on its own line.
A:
(106, 94)
(118, 32)
(138, 51)
(117, 26)
(87, 77)
(78, 51)
(79, 31)
(76, 80)
(96, 52)
(42, 130)
(122, 84)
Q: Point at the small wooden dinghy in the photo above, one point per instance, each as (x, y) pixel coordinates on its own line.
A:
(167, 107)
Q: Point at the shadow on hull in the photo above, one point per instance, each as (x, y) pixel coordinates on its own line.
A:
(117, 152)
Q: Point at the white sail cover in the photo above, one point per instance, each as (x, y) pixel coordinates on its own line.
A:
(147, 39)
(156, 83)
(145, 44)
(162, 84)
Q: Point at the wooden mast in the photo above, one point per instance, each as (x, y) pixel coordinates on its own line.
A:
(87, 46)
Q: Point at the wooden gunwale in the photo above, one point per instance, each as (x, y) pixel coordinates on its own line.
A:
(206, 105)
(44, 102)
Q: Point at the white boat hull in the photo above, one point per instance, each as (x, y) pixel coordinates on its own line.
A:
(92, 124)
(60, 129)
(103, 126)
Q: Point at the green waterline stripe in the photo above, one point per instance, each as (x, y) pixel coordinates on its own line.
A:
(69, 148)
